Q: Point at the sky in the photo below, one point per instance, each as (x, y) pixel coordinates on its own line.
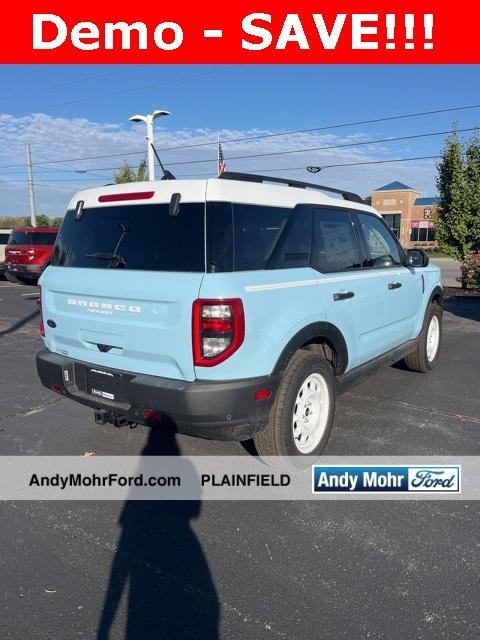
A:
(71, 114)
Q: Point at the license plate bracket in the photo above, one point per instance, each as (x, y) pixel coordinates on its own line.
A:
(104, 384)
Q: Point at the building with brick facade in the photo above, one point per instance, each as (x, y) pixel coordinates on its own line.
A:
(407, 213)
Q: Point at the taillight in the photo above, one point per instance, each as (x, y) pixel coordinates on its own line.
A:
(218, 330)
(39, 305)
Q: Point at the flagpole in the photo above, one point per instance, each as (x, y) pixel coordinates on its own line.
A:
(218, 154)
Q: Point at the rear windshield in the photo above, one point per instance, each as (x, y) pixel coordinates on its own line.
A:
(4, 238)
(136, 237)
(26, 237)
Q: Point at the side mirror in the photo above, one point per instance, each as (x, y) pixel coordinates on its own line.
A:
(417, 258)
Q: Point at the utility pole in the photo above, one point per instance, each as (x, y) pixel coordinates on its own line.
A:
(149, 119)
(31, 193)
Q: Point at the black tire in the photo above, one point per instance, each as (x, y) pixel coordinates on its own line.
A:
(11, 278)
(419, 360)
(277, 439)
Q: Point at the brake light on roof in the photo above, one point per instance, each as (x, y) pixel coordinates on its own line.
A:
(218, 330)
(39, 305)
(134, 195)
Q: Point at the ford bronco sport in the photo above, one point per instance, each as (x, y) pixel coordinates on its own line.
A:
(232, 307)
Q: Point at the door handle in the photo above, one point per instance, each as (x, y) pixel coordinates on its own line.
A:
(343, 295)
(394, 285)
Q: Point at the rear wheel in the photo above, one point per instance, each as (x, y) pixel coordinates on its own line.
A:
(301, 418)
(425, 356)
(11, 278)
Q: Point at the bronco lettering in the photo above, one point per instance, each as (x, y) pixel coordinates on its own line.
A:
(104, 306)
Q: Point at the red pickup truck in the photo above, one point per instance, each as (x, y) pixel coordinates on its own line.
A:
(28, 252)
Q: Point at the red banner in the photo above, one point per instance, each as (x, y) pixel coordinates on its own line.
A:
(264, 31)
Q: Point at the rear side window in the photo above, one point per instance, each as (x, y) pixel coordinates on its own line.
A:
(336, 245)
(242, 237)
(136, 237)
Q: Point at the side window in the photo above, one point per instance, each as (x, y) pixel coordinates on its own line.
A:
(294, 246)
(336, 245)
(256, 230)
(381, 247)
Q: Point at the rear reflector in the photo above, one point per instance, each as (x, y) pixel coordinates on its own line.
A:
(263, 394)
(153, 415)
(57, 388)
(136, 195)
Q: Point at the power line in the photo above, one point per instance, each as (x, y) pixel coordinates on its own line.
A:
(123, 91)
(64, 84)
(266, 136)
(262, 170)
(325, 128)
(326, 166)
(337, 146)
(20, 75)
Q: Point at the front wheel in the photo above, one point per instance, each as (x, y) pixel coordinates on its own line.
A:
(425, 356)
(301, 418)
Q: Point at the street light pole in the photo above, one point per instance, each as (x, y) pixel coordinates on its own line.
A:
(31, 193)
(149, 119)
(150, 155)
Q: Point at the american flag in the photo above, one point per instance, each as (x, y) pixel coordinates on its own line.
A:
(222, 166)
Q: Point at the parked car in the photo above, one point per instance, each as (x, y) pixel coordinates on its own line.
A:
(232, 307)
(28, 253)
(4, 235)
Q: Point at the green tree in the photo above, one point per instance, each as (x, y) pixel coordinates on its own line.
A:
(452, 225)
(43, 220)
(56, 222)
(128, 174)
(472, 169)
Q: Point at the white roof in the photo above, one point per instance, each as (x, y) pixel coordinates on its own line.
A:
(215, 190)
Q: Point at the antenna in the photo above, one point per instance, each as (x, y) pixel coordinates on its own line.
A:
(167, 175)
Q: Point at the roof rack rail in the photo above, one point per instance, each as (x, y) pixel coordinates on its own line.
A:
(252, 177)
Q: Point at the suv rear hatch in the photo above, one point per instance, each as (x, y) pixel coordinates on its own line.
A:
(121, 284)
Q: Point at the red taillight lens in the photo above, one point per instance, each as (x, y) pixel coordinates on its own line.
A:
(218, 330)
(39, 305)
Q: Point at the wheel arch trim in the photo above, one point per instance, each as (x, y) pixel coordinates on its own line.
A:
(315, 331)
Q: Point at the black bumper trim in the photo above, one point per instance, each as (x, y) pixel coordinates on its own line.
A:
(216, 410)
(26, 270)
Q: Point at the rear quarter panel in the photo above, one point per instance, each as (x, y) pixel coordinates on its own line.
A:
(277, 305)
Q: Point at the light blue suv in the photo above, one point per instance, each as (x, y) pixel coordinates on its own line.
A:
(232, 307)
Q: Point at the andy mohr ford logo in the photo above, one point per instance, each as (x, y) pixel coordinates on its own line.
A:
(385, 478)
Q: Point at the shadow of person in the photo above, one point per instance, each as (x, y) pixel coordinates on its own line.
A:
(161, 563)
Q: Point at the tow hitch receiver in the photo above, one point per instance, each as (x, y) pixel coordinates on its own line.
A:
(102, 416)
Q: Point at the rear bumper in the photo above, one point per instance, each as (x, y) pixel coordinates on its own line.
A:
(214, 410)
(26, 270)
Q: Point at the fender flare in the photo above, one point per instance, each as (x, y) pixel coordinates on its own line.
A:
(316, 330)
(436, 291)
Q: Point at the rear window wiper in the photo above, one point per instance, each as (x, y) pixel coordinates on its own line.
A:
(118, 260)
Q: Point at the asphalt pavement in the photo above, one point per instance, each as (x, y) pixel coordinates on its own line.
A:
(451, 271)
(242, 570)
